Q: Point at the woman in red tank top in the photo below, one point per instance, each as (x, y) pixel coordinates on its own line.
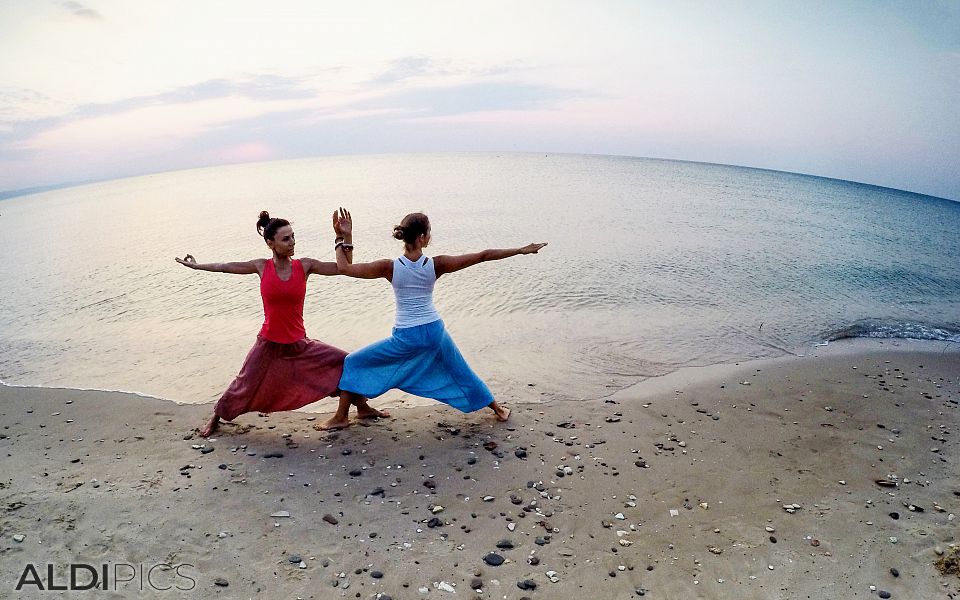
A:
(285, 369)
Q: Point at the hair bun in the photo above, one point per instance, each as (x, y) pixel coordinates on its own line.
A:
(398, 232)
(263, 221)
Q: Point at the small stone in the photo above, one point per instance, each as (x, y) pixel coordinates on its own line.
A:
(493, 559)
(330, 519)
(443, 586)
(273, 455)
(476, 584)
(221, 582)
(295, 559)
(883, 594)
(280, 514)
(505, 545)
(895, 572)
(18, 538)
(527, 584)
(376, 574)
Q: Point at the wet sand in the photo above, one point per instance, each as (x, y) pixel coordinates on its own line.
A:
(680, 487)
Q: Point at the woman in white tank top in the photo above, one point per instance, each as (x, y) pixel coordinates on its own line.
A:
(420, 357)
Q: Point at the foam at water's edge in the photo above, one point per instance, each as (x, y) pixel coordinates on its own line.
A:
(911, 330)
(108, 391)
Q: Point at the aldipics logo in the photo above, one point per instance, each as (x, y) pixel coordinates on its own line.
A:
(108, 577)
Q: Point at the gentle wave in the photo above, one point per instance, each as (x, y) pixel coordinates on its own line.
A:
(910, 330)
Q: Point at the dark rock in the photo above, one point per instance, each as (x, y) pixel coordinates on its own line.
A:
(895, 572)
(295, 559)
(273, 455)
(356, 473)
(221, 582)
(430, 484)
(434, 522)
(377, 492)
(330, 519)
(505, 545)
(883, 594)
(376, 574)
(527, 584)
(894, 515)
(533, 560)
(520, 453)
(476, 583)
(516, 499)
(493, 559)
(206, 450)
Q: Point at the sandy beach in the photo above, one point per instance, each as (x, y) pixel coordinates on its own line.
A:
(756, 480)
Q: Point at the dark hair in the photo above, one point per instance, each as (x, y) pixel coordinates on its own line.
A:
(413, 226)
(268, 227)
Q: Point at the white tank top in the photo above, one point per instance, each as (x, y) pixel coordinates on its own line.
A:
(413, 288)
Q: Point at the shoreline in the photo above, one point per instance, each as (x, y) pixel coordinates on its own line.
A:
(649, 385)
(676, 489)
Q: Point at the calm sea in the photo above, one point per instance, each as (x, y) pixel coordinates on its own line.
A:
(652, 265)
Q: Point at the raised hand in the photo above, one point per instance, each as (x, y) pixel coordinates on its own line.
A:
(343, 221)
(532, 248)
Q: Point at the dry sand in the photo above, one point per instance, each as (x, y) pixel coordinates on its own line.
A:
(675, 488)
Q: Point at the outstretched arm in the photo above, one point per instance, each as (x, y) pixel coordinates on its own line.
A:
(448, 264)
(239, 268)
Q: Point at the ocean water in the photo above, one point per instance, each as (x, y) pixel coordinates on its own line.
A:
(653, 265)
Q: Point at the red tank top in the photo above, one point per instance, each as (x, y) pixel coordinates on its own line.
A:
(283, 304)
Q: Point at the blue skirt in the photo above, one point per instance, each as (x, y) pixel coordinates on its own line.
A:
(422, 361)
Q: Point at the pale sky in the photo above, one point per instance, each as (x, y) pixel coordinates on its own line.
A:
(862, 90)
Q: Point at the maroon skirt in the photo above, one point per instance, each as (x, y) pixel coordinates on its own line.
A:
(278, 377)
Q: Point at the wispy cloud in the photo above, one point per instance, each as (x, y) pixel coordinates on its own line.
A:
(81, 11)
(408, 67)
(260, 88)
(473, 97)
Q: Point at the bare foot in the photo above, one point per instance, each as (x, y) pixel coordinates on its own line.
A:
(212, 425)
(332, 424)
(502, 412)
(368, 412)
